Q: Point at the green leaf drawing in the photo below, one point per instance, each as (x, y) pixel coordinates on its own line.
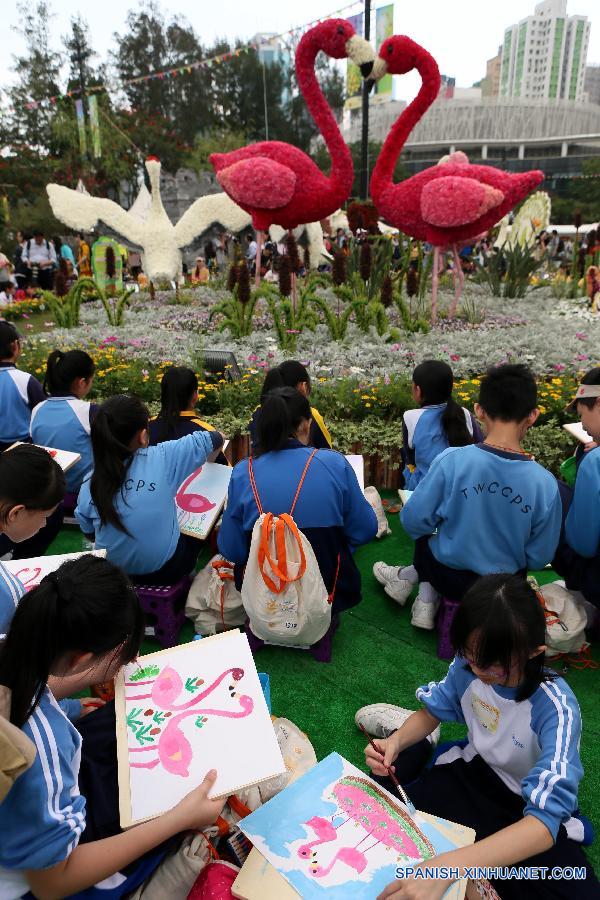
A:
(190, 684)
(142, 735)
(132, 718)
(200, 721)
(146, 672)
(158, 717)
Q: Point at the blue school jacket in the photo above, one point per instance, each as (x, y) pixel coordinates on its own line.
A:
(424, 438)
(331, 512)
(11, 591)
(532, 745)
(319, 434)
(187, 423)
(582, 526)
(20, 392)
(146, 503)
(63, 422)
(494, 511)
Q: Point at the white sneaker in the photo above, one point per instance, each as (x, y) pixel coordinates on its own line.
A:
(423, 614)
(382, 719)
(398, 589)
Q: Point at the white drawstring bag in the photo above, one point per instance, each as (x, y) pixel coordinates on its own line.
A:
(213, 603)
(566, 619)
(372, 497)
(283, 590)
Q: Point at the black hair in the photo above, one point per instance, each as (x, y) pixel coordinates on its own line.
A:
(289, 373)
(436, 381)
(87, 605)
(591, 377)
(177, 388)
(508, 392)
(116, 423)
(63, 368)
(8, 335)
(57, 244)
(504, 616)
(29, 477)
(281, 413)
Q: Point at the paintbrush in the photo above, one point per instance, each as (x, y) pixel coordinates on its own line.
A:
(403, 795)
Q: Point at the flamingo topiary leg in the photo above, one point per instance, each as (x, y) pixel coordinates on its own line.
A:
(435, 276)
(259, 243)
(459, 280)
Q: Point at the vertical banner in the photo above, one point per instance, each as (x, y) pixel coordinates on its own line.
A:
(81, 126)
(384, 28)
(95, 125)
(353, 76)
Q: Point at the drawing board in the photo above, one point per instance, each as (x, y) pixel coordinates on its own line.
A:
(337, 835)
(201, 497)
(184, 711)
(64, 458)
(578, 431)
(358, 464)
(31, 571)
(404, 496)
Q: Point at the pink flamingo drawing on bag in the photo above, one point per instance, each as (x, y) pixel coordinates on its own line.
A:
(173, 750)
(373, 811)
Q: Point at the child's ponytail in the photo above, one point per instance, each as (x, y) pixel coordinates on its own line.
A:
(117, 422)
(87, 606)
(455, 425)
(436, 381)
(62, 369)
(281, 413)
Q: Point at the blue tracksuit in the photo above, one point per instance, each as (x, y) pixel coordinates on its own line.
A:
(331, 512)
(63, 421)
(491, 511)
(11, 591)
(582, 527)
(146, 503)
(532, 745)
(424, 438)
(19, 394)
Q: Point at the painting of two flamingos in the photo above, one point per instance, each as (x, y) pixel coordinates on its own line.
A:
(183, 711)
(335, 834)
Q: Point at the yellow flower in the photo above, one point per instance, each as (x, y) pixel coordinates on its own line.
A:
(367, 404)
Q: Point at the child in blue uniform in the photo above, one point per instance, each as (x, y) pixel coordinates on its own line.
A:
(578, 555)
(64, 420)
(19, 391)
(515, 779)
(331, 510)
(128, 502)
(484, 508)
(293, 374)
(437, 423)
(81, 624)
(178, 416)
(32, 484)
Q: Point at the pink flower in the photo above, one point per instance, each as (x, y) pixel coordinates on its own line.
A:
(395, 347)
(580, 335)
(387, 379)
(25, 316)
(454, 357)
(145, 373)
(28, 326)
(581, 356)
(559, 367)
(253, 357)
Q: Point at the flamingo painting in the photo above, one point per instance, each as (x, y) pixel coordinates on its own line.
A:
(276, 182)
(451, 202)
(190, 502)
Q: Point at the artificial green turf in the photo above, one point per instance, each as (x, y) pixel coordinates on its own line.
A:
(379, 657)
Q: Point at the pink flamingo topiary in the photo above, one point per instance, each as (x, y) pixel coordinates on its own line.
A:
(451, 202)
(276, 182)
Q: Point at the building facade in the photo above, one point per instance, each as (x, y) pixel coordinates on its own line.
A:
(591, 84)
(544, 55)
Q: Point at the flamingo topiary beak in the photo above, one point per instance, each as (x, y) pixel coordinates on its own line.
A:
(378, 70)
(361, 53)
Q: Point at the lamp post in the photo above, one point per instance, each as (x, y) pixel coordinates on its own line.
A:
(364, 147)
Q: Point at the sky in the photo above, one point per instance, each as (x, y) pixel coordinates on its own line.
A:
(461, 35)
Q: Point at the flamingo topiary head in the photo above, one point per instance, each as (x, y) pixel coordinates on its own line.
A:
(398, 55)
(338, 39)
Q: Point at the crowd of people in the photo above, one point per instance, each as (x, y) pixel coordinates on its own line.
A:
(482, 513)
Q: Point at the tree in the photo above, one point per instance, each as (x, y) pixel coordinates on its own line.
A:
(578, 194)
(37, 80)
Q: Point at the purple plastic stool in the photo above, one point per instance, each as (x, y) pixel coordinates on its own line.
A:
(445, 618)
(165, 602)
(69, 503)
(321, 651)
